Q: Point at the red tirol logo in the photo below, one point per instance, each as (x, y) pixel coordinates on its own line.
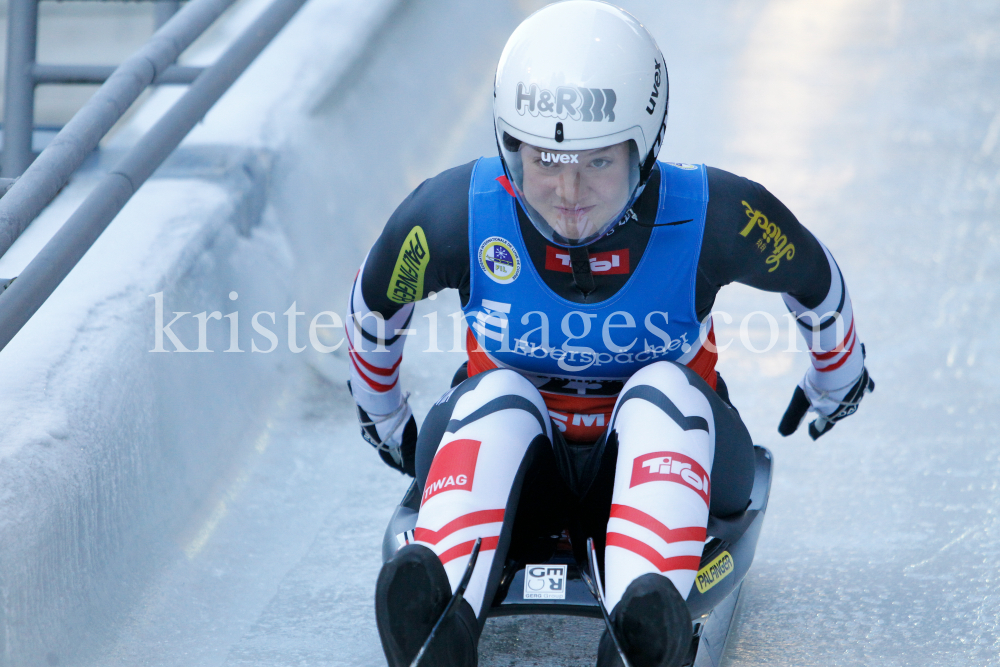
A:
(453, 468)
(610, 262)
(670, 467)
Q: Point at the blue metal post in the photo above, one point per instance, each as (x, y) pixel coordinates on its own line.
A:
(163, 10)
(19, 90)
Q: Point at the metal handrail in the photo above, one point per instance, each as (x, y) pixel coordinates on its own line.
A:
(45, 272)
(24, 75)
(41, 181)
(101, 73)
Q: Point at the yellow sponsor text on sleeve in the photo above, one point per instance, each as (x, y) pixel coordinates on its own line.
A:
(407, 284)
(782, 249)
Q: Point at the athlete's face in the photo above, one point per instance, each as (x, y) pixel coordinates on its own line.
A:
(577, 192)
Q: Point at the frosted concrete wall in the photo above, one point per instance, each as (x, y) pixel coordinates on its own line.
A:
(107, 448)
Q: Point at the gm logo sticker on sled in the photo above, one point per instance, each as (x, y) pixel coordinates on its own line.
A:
(714, 572)
(671, 467)
(453, 468)
(544, 582)
(499, 260)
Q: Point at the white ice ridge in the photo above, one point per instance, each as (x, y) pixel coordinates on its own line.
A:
(105, 446)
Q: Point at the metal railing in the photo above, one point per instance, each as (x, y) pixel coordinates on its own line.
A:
(24, 74)
(51, 170)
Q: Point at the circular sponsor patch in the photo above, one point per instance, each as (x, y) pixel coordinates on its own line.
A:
(685, 167)
(499, 260)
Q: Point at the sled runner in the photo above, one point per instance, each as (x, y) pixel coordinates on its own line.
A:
(557, 587)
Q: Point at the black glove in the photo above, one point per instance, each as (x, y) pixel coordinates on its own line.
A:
(397, 442)
(846, 407)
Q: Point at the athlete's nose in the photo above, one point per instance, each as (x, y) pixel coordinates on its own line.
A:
(568, 186)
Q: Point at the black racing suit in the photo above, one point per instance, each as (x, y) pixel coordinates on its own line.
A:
(575, 480)
(440, 205)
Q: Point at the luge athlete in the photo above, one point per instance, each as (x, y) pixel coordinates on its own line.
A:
(587, 272)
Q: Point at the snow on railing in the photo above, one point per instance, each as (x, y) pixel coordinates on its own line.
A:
(51, 170)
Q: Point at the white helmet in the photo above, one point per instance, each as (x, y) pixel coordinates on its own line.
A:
(580, 107)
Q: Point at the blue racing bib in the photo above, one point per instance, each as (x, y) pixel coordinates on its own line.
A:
(522, 324)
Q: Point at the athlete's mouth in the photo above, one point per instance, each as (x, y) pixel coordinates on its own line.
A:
(575, 211)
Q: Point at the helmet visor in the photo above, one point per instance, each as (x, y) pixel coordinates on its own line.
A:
(573, 197)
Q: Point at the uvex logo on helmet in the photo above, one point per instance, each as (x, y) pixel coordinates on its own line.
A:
(564, 158)
(656, 90)
(589, 105)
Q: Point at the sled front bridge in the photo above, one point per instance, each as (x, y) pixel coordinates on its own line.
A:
(572, 598)
(709, 631)
(575, 599)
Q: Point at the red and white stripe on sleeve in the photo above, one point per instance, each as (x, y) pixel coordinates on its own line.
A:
(375, 346)
(830, 334)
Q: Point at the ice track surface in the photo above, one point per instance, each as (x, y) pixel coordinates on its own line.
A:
(878, 123)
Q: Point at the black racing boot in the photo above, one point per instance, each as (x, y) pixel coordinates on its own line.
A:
(653, 625)
(411, 593)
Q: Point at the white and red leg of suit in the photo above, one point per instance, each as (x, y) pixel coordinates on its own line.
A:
(659, 509)
(474, 469)
(666, 439)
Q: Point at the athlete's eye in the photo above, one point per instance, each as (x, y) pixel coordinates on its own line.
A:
(600, 163)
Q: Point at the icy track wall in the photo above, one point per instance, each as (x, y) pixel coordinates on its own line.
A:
(109, 452)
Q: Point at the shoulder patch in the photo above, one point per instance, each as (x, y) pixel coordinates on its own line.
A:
(499, 260)
(407, 284)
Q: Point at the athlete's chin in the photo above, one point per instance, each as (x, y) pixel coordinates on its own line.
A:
(573, 223)
(574, 231)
